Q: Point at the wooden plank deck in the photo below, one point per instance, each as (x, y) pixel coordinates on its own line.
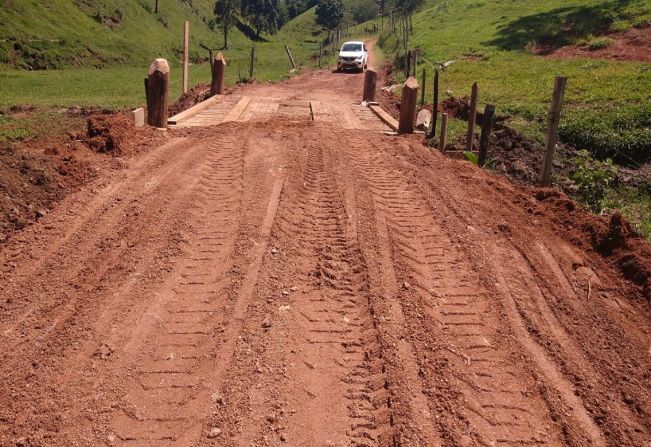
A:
(225, 108)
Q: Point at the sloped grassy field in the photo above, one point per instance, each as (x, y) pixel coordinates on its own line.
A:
(94, 63)
(607, 102)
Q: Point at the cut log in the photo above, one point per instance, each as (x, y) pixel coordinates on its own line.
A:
(218, 73)
(408, 106)
(423, 120)
(370, 80)
(157, 93)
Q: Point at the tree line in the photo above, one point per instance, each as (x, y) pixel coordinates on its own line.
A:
(268, 16)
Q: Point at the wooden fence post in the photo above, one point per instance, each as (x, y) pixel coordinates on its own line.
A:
(435, 102)
(157, 93)
(552, 132)
(218, 73)
(186, 49)
(370, 80)
(407, 63)
(414, 64)
(252, 58)
(444, 131)
(472, 116)
(408, 106)
(320, 53)
(486, 129)
(291, 59)
(422, 91)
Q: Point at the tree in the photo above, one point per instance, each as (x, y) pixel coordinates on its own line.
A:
(364, 10)
(263, 15)
(329, 14)
(226, 15)
(156, 7)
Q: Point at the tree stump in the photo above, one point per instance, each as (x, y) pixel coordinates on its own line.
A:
(408, 106)
(218, 73)
(370, 80)
(157, 92)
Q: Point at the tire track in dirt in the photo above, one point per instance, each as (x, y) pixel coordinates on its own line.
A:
(335, 360)
(62, 306)
(501, 405)
(164, 402)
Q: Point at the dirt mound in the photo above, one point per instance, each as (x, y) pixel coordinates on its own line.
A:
(631, 45)
(109, 134)
(33, 176)
(36, 173)
(611, 236)
(195, 95)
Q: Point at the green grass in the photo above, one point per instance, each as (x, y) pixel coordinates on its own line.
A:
(60, 33)
(489, 41)
(635, 205)
(121, 85)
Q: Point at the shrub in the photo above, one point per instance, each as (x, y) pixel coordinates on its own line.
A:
(624, 136)
(600, 43)
(593, 179)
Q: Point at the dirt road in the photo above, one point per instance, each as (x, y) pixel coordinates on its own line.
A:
(289, 282)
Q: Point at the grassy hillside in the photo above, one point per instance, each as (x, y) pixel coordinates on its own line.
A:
(111, 73)
(59, 33)
(607, 104)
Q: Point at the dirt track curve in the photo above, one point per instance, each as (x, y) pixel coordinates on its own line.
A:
(289, 282)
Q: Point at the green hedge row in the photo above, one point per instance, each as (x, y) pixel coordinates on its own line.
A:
(624, 136)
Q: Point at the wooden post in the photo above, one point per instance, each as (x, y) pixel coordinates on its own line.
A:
(291, 59)
(320, 53)
(408, 106)
(218, 73)
(486, 129)
(444, 131)
(435, 102)
(414, 65)
(251, 62)
(422, 91)
(186, 45)
(407, 63)
(157, 93)
(370, 80)
(472, 116)
(552, 132)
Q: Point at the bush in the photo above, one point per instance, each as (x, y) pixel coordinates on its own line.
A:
(624, 137)
(600, 43)
(593, 179)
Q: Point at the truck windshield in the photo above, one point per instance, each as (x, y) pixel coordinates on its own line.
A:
(351, 47)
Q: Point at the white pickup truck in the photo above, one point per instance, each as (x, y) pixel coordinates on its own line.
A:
(353, 55)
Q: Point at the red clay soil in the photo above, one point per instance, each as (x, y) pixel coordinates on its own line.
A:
(631, 45)
(37, 173)
(293, 283)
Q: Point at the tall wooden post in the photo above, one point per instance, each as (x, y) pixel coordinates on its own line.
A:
(435, 102)
(320, 53)
(472, 116)
(218, 74)
(251, 59)
(444, 131)
(414, 64)
(408, 106)
(157, 93)
(186, 45)
(370, 80)
(407, 63)
(552, 132)
(422, 90)
(291, 59)
(486, 129)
